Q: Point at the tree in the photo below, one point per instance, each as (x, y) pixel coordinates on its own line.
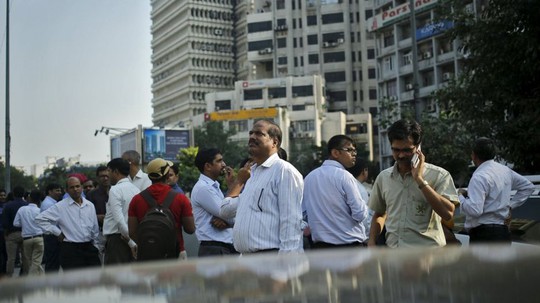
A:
(498, 92)
(58, 174)
(186, 167)
(18, 178)
(213, 135)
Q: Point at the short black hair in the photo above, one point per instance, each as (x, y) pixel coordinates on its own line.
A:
(52, 186)
(99, 169)
(337, 142)
(18, 192)
(36, 196)
(404, 129)
(282, 154)
(358, 167)
(274, 131)
(176, 168)
(120, 165)
(205, 156)
(484, 149)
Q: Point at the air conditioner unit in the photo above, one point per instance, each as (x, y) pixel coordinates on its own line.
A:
(268, 50)
(446, 76)
(341, 40)
(308, 135)
(326, 44)
(409, 86)
(218, 32)
(430, 107)
(427, 55)
(295, 95)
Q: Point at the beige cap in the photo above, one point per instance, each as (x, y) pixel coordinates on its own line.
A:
(158, 168)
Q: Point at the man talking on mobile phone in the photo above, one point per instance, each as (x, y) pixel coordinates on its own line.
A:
(411, 197)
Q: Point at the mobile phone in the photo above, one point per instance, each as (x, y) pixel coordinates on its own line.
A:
(415, 160)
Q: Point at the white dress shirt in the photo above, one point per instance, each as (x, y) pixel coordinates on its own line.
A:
(365, 196)
(335, 208)
(116, 216)
(206, 200)
(268, 211)
(489, 192)
(26, 219)
(46, 203)
(77, 222)
(141, 180)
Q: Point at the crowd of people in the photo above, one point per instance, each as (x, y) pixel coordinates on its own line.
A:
(268, 207)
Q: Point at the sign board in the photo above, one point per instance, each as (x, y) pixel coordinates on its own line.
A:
(243, 114)
(394, 14)
(123, 143)
(433, 29)
(162, 143)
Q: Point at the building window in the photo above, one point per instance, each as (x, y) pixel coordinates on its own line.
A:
(253, 94)
(388, 64)
(369, 13)
(258, 45)
(356, 128)
(280, 4)
(313, 58)
(302, 91)
(298, 107)
(282, 61)
(338, 96)
(281, 22)
(372, 94)
(281, 42)
(304, 125)
(223, 104)
(259, 26)
(332, 18)
(388, 39)
(312, 39)
(372, 74)
(334, 77)
(311, 20)
(371, 53)
(334, 57)
(277, 92)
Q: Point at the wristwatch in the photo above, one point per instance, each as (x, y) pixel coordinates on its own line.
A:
(424, 184)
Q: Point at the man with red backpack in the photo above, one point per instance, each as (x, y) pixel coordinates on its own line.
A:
(157, 216)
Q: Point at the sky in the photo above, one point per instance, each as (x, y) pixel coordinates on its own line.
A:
(75, 66)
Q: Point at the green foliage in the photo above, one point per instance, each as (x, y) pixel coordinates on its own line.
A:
(18, 178)
(306, 156)
(58, 174)
(498, 92)
(189, 174)
(213, 135)
(446, 143)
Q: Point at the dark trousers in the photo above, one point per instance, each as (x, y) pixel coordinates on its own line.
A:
(216, 248)
(3, 254)
(117, 250)
(490, 233)
(321, 245)
(78, 255)
(51, 255)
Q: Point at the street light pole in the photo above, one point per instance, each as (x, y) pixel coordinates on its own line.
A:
(7, 171)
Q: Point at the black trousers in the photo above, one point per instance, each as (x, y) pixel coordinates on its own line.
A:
(78, 255)
(51, 255)
(490, 233)
(216, 248)
(3, 253)
(117, 250)
(320, 245)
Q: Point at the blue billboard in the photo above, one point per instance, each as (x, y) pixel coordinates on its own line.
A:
(433, 29)
(161, 143)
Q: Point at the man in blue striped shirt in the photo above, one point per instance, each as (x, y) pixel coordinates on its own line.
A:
(32, 234)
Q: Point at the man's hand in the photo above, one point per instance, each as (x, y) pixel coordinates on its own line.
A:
(229, 175)
(219, 223)
(418, 171)
(133, 247)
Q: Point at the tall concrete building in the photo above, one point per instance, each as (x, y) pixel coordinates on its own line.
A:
(414, 58)
(196, 49)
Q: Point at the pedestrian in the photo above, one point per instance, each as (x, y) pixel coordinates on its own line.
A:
(13, 234)
(487, 203)
(73, 221)
(267, 210)
(3, 253)
(32, 233)
(411, 197)
(51, 256)
(360, 171)
(334, 206)
(136, 175)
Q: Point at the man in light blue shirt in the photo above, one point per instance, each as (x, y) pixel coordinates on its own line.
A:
(214, 233)
(73, 220)
(334, 206)
(51, 256)
(32, 233)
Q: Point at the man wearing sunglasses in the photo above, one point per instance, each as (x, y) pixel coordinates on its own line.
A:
(411, 197)
(333, 203)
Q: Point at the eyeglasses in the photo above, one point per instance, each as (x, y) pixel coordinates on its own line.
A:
(402, 150)
(349, 150)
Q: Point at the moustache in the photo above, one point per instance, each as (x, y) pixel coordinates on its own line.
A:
(253, 142)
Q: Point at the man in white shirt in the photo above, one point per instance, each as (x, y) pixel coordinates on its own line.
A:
(214, 233)
(487, 202)
(73, 220)
(32, 233)
(136, 175)
(119, 248)
(268, 211)
(361, 173)
(335, 209)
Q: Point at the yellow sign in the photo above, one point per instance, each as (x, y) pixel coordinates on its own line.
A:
(243, 114)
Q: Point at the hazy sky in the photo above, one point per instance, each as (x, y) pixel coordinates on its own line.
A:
(75, 66)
